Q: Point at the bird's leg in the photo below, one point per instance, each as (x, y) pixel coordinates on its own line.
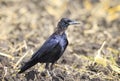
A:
(47, 68)
(51, 70)
(51, 67)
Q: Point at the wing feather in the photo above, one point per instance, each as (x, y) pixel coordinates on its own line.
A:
(46, 47)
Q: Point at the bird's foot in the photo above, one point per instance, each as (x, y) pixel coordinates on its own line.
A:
(50, 73)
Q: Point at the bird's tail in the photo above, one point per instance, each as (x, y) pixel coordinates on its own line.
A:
(27, 65)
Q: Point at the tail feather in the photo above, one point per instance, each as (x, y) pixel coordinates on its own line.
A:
(27, 65)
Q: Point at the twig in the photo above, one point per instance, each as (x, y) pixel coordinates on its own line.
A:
(20, 59)
(25, 44)
(99, 58)
(99, 51)
(5, 70)
(6, 55)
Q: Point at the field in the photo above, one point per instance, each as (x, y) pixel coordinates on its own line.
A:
(93, 53)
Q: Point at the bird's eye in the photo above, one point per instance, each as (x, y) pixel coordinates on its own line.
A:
(67, 22)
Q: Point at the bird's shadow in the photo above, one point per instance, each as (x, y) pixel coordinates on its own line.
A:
(34, 75)
(31, 75)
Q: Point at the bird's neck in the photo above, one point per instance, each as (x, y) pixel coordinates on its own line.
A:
(60, 31)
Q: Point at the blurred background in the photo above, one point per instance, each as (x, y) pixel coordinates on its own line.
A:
(26, 24)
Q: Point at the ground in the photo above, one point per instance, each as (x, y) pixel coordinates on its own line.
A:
(93, 53)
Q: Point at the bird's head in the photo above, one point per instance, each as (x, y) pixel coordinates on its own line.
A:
(65, 22)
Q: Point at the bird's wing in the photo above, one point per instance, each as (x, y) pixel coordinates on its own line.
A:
(46, 47)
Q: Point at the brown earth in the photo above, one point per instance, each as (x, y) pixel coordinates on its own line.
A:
(26, 24)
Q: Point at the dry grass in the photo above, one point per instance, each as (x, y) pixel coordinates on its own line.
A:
(26, 24)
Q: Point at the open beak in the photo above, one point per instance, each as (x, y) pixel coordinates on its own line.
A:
(73, 22)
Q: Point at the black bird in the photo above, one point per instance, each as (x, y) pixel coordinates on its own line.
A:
(53, 48)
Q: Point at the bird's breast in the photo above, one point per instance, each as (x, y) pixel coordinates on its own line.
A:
(63, 42)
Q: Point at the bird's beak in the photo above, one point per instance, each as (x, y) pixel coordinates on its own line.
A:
(73, 22)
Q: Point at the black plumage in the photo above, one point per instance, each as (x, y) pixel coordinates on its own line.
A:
(53, 48)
